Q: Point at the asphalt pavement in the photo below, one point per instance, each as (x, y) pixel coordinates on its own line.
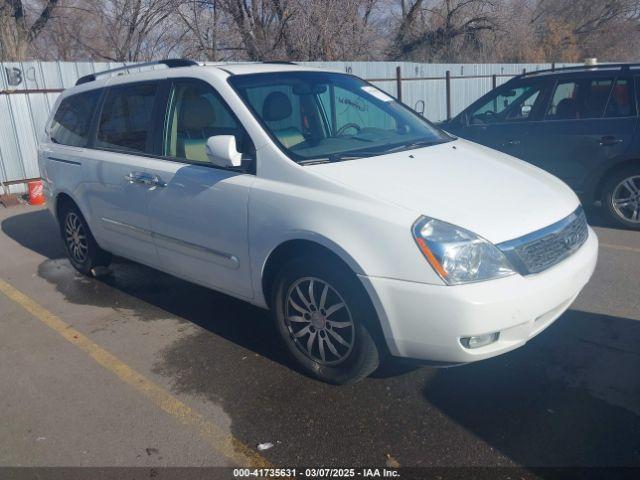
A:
(140, 368)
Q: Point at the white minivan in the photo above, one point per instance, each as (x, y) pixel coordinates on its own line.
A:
(368, 232)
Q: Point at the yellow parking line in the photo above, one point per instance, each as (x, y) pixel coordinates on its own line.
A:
(223, 442)
(620, 247)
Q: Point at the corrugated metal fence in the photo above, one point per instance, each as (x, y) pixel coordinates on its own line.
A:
(28, 91)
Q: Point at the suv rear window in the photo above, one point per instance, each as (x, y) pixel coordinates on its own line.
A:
(72, 121)
(126, 119)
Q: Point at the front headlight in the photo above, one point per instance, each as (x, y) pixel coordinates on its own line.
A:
(458, 255)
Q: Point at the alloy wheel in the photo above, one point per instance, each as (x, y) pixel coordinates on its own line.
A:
(625, 199)
(76, 238)
(319, 321)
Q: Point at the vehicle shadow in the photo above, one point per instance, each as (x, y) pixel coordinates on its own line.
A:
(569, 397)
(36, 230)
(149, 294)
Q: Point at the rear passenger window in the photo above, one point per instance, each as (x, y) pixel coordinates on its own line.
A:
(125, 123)
(580, 99)
(72, 120)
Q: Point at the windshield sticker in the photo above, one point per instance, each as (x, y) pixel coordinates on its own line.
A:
(377, 93)
(358, 103)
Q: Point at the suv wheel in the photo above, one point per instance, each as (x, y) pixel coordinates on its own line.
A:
(622, 197)
(82, 249)
(325, 319)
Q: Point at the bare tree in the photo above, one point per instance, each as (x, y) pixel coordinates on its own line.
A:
(126, 30)
(16, 32)
(444, 29)
(332, 30)
(594, 27)
(261, 25)
(202, 20)
(421, 30)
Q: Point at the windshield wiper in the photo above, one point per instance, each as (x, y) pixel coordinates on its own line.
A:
(412, 145)
(337, 157)
(353, 155)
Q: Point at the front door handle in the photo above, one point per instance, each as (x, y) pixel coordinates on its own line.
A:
(511, 142)
(609, 140)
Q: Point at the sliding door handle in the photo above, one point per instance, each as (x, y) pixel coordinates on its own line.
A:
(156, 181)
(138, 177)
(144, 178)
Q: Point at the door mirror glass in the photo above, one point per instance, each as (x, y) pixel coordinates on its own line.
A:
(525, 110)
(222, 151)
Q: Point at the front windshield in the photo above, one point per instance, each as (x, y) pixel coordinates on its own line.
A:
(316, 116)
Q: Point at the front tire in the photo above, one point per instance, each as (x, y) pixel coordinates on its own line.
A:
(325, 319)
(621, 197)
(82, 249)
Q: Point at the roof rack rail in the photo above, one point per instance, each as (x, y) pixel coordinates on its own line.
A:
(283, 62)
(604, 66)
(170, 62)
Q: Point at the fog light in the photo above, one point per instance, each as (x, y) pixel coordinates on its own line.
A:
(479, 340)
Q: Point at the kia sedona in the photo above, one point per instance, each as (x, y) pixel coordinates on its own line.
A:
(366, 231)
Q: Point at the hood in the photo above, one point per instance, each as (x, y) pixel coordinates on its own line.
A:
(488, 192)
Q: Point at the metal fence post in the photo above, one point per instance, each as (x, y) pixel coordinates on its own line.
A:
(399, 83)
(448, 88)
(494, 84)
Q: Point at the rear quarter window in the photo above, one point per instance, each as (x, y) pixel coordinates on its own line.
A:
(72, 121)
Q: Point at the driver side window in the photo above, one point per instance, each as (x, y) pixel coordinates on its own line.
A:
(508, 105)
(196, 112)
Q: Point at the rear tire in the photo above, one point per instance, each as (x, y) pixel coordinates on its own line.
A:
(621, 197)
(82, 249)
(325, 319)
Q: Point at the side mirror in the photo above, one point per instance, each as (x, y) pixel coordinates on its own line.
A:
(525, 110)
(222, 151)
(419, 107)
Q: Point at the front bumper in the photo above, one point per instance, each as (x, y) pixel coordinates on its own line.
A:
(426, 322)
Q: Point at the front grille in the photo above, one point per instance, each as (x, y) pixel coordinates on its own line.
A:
(543, 249)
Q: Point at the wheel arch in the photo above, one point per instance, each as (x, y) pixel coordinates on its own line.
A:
(604, 177)
(291, 248)
(62, 199)
(297, 247)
